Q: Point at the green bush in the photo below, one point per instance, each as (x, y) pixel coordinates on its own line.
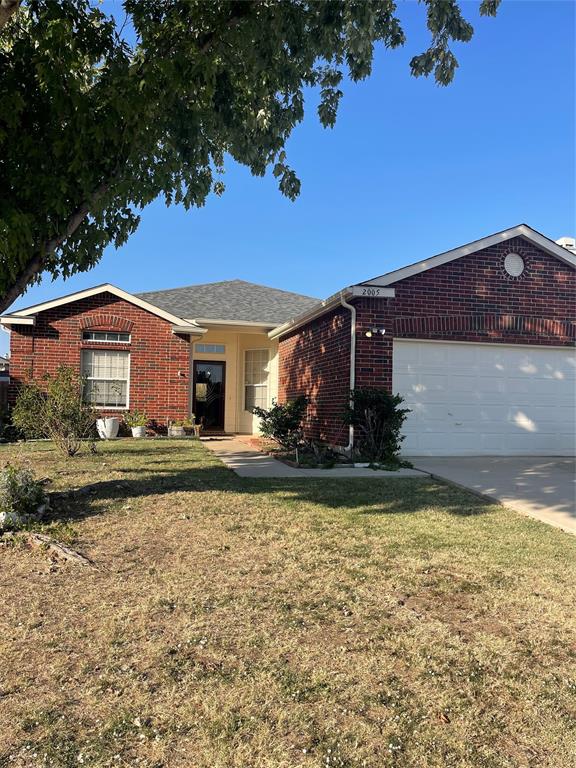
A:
(283, 422)
(22, 498)
(377, 419)
(56, 411)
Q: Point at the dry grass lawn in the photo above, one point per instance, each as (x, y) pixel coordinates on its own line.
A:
(268, 624)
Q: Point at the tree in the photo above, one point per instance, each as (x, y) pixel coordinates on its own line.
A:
(99, 116)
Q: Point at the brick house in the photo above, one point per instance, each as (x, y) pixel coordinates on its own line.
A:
(479, 340)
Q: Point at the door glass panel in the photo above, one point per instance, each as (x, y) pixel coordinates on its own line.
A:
(209, 394)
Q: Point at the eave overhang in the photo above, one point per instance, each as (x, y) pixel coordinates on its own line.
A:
(352, 291)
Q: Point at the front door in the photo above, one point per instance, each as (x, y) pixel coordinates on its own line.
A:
(208, 401)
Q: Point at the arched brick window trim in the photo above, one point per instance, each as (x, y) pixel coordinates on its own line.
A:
(106, 323)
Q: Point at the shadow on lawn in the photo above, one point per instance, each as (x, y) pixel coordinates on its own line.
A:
(361, 495)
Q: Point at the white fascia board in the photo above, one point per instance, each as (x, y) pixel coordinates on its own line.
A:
(522, 230)
(190, 330)
(352, 291)
(248, 323)
(104, 288)
(17, 320)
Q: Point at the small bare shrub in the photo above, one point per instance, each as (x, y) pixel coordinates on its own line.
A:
(56, 411)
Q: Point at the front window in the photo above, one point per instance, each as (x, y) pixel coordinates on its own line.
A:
(106, 374)
(255, 379)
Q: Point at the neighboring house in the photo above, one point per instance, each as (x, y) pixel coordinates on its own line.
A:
(479, 340)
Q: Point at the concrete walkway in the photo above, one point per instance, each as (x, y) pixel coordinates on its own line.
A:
(543, 488)
(246, 462)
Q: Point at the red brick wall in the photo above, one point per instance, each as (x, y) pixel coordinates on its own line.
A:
(157, 356)
(315, 361)
(469, 299)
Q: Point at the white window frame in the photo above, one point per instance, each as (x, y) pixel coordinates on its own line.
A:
(97, 406)
(267, 384)
(106, 341)
(221, 351)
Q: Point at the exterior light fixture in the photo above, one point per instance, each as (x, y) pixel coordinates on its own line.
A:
(374, 332)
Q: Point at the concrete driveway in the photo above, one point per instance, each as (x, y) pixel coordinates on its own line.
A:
(544, 488)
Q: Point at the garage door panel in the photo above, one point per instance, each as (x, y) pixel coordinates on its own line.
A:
(489, 399)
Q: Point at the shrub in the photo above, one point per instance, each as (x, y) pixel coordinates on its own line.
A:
(283, 422)
(25, 413)
(22, 498)
(377, 419)
(55, 411)
(8, 432)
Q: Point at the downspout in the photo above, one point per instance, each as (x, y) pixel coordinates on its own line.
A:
(349, 448)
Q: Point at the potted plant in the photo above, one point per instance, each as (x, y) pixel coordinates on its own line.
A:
(195, 427)
(137, 421)
(108, 427)
(176, 428)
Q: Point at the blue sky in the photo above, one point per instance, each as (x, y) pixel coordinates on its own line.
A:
(410, 170)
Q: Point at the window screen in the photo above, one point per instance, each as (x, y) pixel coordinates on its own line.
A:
(106, 373)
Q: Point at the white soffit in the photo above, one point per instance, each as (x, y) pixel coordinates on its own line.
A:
(522, 230)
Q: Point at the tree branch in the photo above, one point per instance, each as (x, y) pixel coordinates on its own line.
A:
(36, 263)
(7, 9)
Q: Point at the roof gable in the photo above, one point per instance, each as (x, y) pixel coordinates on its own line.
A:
(522, 230)
(26, 316)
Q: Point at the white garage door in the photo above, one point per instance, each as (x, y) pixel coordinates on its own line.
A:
(494, 399)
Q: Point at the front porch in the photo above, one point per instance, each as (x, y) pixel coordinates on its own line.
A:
(232, 370)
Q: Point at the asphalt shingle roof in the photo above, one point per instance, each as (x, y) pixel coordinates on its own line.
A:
(231, 300)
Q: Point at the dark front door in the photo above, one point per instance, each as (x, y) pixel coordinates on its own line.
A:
(208, 405)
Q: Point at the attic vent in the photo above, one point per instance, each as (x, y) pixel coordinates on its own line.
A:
(567, 242)
(514, 264)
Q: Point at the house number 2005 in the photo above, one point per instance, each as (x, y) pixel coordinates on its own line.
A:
(370, 291)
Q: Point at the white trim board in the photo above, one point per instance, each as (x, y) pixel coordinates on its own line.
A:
(569, 347)
(17, 320)
(522, 230)
(26, 316)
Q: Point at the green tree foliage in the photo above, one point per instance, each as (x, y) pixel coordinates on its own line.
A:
(99, 116)
(377, 419)
(283, 422)
(54, 409)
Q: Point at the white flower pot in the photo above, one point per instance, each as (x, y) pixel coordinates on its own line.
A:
(108, 427)
(138, 431)
(176, 431)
